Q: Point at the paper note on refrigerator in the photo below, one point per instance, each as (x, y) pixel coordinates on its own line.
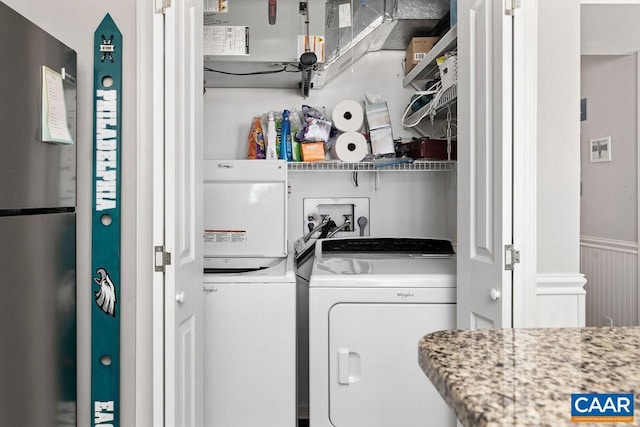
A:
(55, 127)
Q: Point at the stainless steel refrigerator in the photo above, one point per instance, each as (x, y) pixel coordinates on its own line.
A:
(37, 227)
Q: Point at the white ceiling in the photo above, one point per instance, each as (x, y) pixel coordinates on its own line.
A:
(609, 29)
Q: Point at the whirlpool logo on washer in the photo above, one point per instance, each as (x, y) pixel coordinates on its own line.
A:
(209, 290)
(404, 294)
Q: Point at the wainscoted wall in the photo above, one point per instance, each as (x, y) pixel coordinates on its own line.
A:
(611, 270)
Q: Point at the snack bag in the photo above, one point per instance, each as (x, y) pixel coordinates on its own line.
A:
(256, 148)
(315, 126)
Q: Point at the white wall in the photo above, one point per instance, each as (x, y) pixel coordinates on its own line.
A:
(609, 29)
(609, 189)
(609, 249)
(73, 22)
(560, 293)
(558, 168)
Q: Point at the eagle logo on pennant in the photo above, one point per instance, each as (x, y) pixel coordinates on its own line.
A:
(106, 295)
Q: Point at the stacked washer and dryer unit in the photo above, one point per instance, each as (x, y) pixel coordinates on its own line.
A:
(370, 302)
(249, 293)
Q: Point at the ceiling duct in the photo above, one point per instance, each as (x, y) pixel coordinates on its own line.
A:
(259, 43)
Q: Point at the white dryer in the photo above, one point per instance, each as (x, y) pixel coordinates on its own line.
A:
(370, 302)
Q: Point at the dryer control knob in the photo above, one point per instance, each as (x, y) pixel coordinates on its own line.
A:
(494, 294)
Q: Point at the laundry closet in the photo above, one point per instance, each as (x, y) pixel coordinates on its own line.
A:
(466, 202)
(398, 201)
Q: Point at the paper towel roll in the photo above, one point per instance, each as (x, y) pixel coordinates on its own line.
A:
(350, 147)
(348, 116)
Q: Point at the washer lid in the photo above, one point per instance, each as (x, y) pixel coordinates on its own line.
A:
(395, 272)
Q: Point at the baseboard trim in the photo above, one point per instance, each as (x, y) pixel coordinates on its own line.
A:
(569, 284)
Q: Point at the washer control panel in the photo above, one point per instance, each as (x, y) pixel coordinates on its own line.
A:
(390, 246)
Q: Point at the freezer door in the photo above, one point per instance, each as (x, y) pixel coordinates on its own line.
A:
(33, 174)
(38, 328)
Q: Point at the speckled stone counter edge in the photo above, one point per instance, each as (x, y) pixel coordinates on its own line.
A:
(476, 372)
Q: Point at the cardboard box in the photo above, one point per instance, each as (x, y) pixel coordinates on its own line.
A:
(417, 49)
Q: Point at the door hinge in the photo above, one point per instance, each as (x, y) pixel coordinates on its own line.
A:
(161, 6)
(511, 257)
(510, 7)
(162, 258)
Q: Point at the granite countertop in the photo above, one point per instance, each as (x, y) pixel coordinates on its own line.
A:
(525, 377)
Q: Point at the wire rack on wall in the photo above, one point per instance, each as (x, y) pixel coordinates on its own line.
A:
(333, 166)
(449, 97)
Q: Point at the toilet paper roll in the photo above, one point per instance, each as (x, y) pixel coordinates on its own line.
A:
(350, 147)
(348, 116)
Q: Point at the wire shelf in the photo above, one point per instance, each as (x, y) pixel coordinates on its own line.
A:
(449, 97)
(337, 166)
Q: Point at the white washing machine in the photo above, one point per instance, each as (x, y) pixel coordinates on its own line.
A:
(249, 293)
(250, 347)
(370, 302)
